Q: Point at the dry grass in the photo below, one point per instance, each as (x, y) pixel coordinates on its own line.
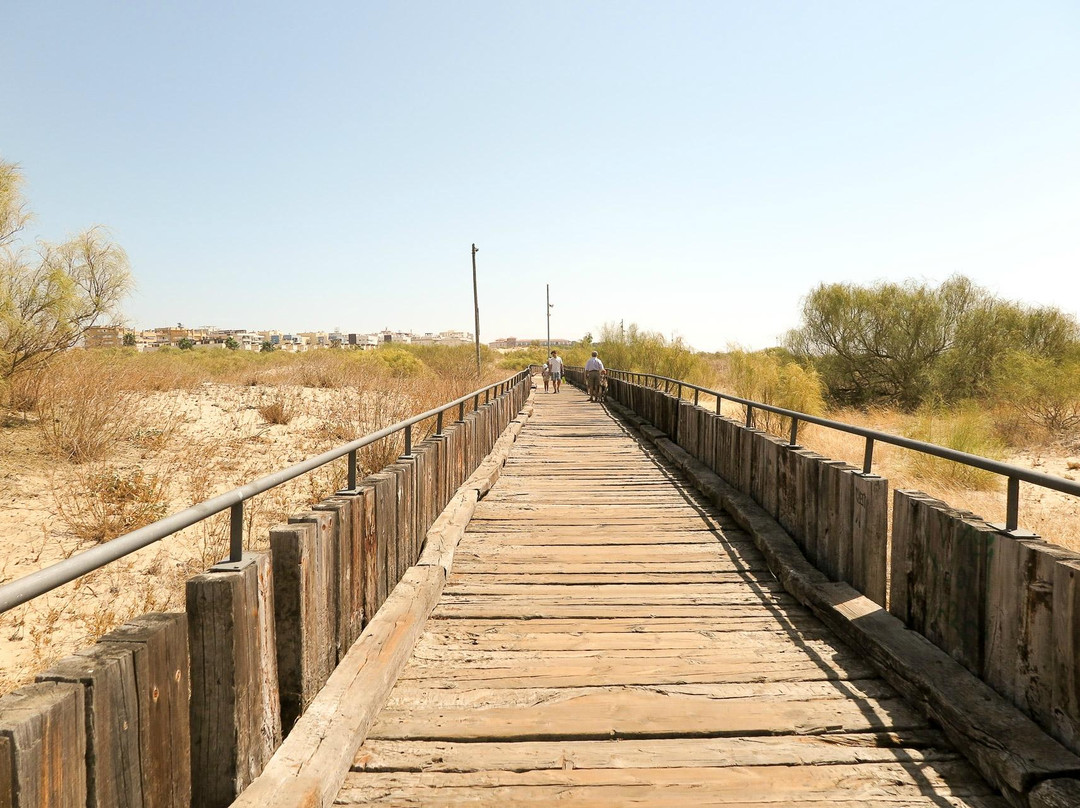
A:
(109, 502)
(124, 438)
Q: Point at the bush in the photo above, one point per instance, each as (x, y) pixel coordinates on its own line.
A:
(84, 409)
(110, 503)
(966, 428)
(769, 378)
(1043, 392)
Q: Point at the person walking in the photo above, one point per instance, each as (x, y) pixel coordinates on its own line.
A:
(554, 364)
(594, 370)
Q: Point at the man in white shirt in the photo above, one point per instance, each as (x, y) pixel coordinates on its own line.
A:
(554, 364)
(594, 369)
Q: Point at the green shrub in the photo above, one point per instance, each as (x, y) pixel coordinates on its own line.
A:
(966, 428)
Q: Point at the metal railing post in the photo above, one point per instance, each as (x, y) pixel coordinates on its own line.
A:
(1012, 504)
(793, 437)
(408, 443)
(749, 417)
(868, 456)
(438, 424)
(236, 532)
(352, 470)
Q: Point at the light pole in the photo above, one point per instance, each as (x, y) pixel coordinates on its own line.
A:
(476, 309)
(548, 288)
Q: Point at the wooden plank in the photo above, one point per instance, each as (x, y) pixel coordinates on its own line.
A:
(869, 536)
(159, 647)
(900, 570)
(972, 548)
(326, 575)
(874, 784)
(300, 618)
(1066, 684)
(644, 713)
(235, 707)
(810, 469)
(914, 746)
(386, 498)
(106, 674)
(43, 746)
(350, 569)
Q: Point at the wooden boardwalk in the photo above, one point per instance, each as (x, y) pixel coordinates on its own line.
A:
(609, 638)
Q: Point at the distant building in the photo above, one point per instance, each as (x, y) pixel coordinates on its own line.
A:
(104, 336)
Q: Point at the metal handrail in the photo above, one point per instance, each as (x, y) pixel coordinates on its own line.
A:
(37, 583)
(1013, 474)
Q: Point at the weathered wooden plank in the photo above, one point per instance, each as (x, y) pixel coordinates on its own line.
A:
(386, 498)
(810, 465)
(869, 536)
(1066, 627)
(326, 575)
(300, 617)
(972, 547)
(159, 647)
(43, 746)
(235, 707)
(106, 674)
(873, 783)
(900, 570)
(347, 580)
(644, 713)
(913, 746)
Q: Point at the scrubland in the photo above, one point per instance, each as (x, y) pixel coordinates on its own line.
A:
(98, 443)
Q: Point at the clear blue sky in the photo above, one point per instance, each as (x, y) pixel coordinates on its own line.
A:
(694, 167)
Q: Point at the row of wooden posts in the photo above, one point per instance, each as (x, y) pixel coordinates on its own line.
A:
(1005, 605)
(185, 709)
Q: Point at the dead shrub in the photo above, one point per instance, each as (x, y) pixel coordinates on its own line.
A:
(84, 410)
(278, 412)
(110, 502)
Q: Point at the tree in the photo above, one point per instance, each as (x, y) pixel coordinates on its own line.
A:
(907, 343)
(186, 344)
(129, 340)
(266, 347)
(232, 344)
(50, 296)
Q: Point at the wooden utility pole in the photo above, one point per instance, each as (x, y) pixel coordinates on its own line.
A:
(476, 309)
(548, 288)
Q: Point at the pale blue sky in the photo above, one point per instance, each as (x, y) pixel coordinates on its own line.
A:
(695, 167)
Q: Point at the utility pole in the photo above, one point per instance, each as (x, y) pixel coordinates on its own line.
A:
(548, 287)
(476, 309)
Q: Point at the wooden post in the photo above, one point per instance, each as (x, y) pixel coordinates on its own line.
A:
(235, 709)
(901, 571)
(113, 756)
(300, 618)
(870, 536)
(385, 485)
(159, 647)
(808, 486)
(786, 507)
(326, 576)
(1066, 684)
(349, 566)
(43, 746)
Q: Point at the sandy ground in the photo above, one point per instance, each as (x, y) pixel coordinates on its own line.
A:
(198, 443)
(189, 446)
